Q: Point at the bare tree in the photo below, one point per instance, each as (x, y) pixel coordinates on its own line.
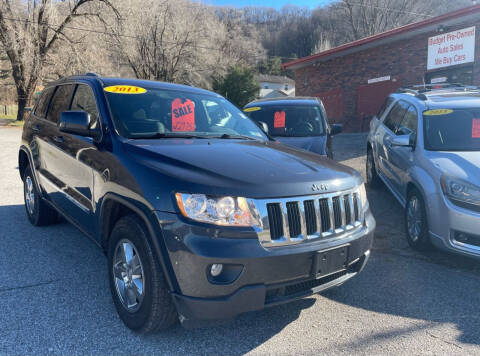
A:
(29, 32)
(181, 41)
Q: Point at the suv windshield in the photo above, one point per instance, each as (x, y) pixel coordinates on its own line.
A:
(156, 113)
(452, 130)
(290, 120)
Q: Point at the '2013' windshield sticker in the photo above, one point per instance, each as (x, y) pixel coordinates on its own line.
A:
(279, 119)
(183, 115)
(435, 112)
(253, 108)
(475, 128)
(125, 89)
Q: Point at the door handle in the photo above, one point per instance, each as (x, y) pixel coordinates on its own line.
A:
(58, 139)
(35, 127)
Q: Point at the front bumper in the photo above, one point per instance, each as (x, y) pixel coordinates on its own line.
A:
(446, 220)
(263, 277)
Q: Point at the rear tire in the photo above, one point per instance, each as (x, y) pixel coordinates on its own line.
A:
(138, 285)
(373, 180)
(416, 224)
(39, 213)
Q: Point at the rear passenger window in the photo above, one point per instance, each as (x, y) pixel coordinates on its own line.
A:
(395, 116)
(85, 100)
(42, 106)
(384, 107)
(60, 102)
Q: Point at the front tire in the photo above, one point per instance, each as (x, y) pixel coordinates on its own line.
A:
(138, 285)
(373, 179)
(39, 213)
(416, 224)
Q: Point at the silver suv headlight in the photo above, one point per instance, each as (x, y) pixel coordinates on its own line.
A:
(458, 190)
(225, 211)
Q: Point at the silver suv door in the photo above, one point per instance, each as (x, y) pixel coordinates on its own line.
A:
(385, 134)
(401, 157)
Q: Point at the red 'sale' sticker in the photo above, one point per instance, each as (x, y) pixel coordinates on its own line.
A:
(279, 119)
(183, 115)
(476, 128)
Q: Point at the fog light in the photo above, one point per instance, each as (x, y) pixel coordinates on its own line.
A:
(216, 269)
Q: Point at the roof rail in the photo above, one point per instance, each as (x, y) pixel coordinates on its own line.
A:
(91, 74)
(414, 92)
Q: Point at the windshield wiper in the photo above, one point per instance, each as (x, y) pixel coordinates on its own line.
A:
(169, 135)
(240, 137)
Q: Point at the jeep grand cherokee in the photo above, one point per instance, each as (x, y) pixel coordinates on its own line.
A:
(201, 215)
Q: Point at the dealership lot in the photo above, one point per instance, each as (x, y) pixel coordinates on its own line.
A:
(55, 299)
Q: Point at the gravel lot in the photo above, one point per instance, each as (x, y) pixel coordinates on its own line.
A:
(54, 296)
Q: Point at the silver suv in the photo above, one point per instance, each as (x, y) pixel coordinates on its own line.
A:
(424, 145)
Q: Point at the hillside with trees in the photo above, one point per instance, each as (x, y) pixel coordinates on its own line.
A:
(182, 41)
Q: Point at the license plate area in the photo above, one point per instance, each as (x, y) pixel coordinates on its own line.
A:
(330, 261)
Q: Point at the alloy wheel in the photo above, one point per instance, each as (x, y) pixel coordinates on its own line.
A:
(29, 195)
(128, 275)
(414, 218)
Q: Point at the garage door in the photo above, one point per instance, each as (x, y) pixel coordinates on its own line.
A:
(333, 102)
(370, 97)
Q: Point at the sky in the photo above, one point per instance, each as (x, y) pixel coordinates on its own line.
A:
(278, 4)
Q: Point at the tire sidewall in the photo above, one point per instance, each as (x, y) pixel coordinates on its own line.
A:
(423, 240)
(137, 235)
(373, 170)
(34, 217)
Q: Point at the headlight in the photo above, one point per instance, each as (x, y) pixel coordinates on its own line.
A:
(226, 211)
(459, 190)
(363, 196)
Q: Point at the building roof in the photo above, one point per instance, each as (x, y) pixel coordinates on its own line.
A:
(278, 79)
(399, 33)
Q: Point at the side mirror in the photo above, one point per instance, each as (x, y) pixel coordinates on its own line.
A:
(27, 109)
(263, 126)
(335, 129)
(75, 122)
(402, 141)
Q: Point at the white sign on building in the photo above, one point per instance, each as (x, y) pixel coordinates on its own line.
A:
(452, 48)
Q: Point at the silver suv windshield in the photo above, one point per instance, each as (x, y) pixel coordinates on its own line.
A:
(159, 113)
(452, 130)
(290, 120)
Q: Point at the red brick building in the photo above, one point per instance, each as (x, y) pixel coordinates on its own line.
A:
(354, 79)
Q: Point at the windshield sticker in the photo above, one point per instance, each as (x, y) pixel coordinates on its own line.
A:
(279, 119)
(125, 89)
(476, 128)
(436, 112)
(183, 115)
(253, 108)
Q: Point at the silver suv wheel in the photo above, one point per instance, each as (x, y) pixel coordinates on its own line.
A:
(128, 275)
(29, 195)
(414, 218)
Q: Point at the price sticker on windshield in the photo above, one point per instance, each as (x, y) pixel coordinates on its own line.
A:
(125, 89)
(475, 128)
(436, 112)
(279, 120)
(183, 115)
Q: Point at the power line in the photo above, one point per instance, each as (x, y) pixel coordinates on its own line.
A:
(389, 9)
(127, 36)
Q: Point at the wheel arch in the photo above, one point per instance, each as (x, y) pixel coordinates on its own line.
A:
(114, 207)
(24, 160)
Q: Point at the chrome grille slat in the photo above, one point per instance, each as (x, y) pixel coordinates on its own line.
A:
(297, 219)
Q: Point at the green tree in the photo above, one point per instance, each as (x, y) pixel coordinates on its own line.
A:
(238, 85)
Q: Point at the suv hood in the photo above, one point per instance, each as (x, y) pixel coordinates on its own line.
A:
(314, 143)
(238, 167)
(464, 165)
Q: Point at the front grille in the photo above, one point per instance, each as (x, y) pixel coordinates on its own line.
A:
(296, 219)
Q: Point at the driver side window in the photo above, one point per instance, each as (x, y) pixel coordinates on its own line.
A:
(395, 116)
(84, 100)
